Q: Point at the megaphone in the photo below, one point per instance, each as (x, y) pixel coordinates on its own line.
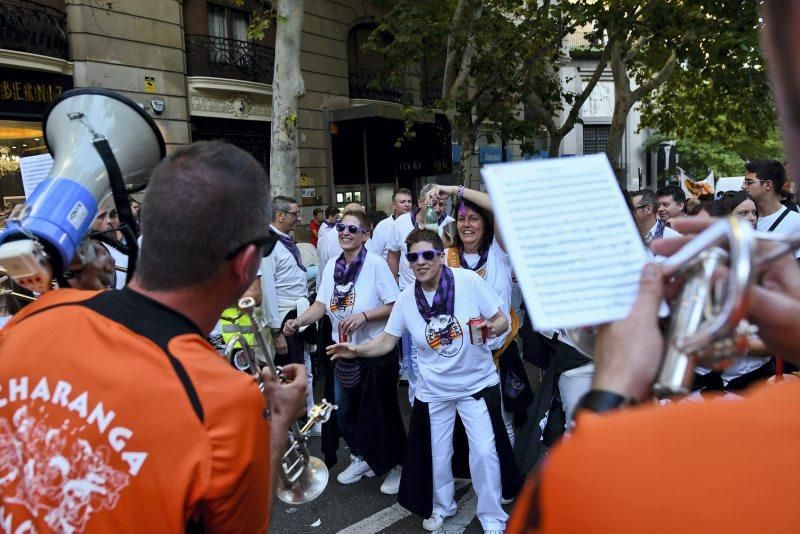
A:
(103, 144)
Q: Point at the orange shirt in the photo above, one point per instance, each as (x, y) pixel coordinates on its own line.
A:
(723, 466)
(116, 415)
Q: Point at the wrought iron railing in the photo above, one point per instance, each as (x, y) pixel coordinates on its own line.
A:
(228, 58)
(366, 83)
(35, 28)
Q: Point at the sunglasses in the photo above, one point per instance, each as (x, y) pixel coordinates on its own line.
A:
(427, 255)
(268, 242)
(352, 228)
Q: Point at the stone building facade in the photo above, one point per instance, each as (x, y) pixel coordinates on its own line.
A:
(191, 65)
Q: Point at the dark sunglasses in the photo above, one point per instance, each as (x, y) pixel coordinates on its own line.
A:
(352, 228)
(427, 255)
(268, 242)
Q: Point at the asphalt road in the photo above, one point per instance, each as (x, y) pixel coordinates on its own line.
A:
(361, 508)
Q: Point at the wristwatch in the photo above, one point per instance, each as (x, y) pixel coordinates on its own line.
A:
(599, 401)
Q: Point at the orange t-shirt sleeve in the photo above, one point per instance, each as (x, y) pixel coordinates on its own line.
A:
(237, 496)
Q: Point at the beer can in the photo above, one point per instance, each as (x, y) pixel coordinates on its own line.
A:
(477, 330)
(342, 334)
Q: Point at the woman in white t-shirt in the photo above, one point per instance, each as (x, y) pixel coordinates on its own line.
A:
(478, 246)
(357, 291)
(455, 376)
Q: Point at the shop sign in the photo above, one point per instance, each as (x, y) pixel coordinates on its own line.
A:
(26, 93)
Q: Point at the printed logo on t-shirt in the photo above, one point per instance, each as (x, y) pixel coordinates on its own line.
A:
(46, 466)
(443, 334)
(344, 297)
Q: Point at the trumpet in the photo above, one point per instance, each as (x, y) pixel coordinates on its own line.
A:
(302, 477)
(707, 325)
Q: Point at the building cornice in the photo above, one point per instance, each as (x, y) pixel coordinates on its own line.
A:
(28, 61)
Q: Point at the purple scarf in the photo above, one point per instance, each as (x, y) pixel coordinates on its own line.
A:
(481, 261)
(443, 300)
(416, 211)
(289, 243)
(659, 229)
(342, 274)
(329, 224)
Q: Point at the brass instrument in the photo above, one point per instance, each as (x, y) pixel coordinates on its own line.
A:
(707, 323)
(302, 477)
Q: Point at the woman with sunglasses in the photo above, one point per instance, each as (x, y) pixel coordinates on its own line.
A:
(478, 246)
(357, 291)
(455, 375)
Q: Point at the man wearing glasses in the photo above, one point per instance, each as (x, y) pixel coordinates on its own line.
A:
(130, 415)
(284, 288)
(645, 208)
(764, 179)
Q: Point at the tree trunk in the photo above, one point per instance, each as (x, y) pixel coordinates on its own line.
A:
(467, 142)
(555, 144)
(617, 132)
(287, 88)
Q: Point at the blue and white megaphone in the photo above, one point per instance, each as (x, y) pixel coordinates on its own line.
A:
(102, 143)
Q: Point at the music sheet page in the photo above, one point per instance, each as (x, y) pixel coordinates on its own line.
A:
(573, 243)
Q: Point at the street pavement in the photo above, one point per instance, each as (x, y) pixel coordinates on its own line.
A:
(361, 508)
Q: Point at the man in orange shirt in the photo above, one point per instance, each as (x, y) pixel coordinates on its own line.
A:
(709, 467)
(116, 415)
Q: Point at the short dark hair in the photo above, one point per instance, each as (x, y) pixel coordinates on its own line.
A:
(332, 210)
(768, 169)
(281, 203)
(203, 201)
(426, 235)
(648, 198)
(673, 191)
(376, 216)
(488, 225)
(318, 210)
(402, 191)
(361, 216)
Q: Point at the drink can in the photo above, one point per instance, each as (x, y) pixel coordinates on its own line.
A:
(477, 330)
(342, 334)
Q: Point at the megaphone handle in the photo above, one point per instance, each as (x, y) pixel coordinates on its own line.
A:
(121, 201)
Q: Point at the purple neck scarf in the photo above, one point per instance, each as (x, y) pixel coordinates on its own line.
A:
(481, 261)
(343, 275)
(289, 243)
(443, 300)
(659, 229)
(416, 211)
(329, 224)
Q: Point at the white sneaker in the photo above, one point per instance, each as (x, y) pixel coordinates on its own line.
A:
(357, 470)
(493, 531)
(391, 485)
(506, 501)
(434, 522)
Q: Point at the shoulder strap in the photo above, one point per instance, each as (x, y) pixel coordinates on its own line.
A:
(779, 219)
(452, 257)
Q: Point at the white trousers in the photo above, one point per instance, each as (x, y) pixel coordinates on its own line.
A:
(484, 466)
(573, 385)
(412, 370)
(310, 373)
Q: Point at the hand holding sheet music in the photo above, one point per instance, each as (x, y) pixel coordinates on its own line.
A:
(573, 243)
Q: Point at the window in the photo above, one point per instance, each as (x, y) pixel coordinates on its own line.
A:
(227, 28)
(595, 138)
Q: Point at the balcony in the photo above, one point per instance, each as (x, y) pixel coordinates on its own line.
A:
(228, 58)
(365, 83)
(27, 26)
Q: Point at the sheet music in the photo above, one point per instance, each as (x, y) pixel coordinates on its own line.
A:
(34, 169)
(574, 246)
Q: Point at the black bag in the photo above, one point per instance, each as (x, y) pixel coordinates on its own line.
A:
(515, 386)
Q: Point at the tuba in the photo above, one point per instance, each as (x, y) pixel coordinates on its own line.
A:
(302, 477)
(707, 325)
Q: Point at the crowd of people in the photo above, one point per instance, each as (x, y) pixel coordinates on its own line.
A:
(167, 437)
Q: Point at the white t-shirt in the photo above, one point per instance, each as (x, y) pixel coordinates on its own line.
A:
(374, 286)
(496, 271)
(384, 238)
(457, 369)
(789, 226)
(403, 226)
(323, 230)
